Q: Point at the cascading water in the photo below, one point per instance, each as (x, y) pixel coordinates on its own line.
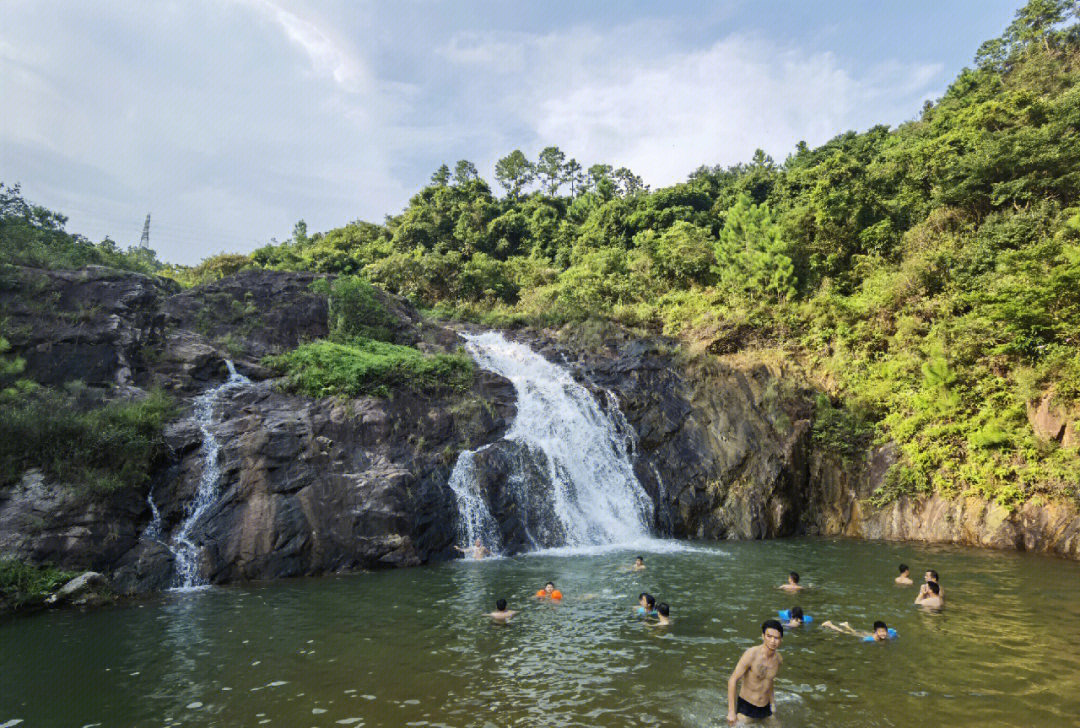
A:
(186, 564)
(584, 455)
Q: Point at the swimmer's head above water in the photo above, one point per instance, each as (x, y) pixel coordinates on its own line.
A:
(500, 605)
(881, 631)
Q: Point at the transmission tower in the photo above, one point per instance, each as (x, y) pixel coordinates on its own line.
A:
(144, 241)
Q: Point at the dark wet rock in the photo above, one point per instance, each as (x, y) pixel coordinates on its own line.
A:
(45, 522)
(93, 325)
(314, 486)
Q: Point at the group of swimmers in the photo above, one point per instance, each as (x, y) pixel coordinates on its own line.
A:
(758, 666)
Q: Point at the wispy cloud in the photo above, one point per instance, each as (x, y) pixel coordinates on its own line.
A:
(628, 97)
(329, 55)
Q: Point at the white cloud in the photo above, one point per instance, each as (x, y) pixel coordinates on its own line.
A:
(231, 121)
(328, 54)
(626, 98)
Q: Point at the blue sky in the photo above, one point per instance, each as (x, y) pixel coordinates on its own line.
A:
(230, 120)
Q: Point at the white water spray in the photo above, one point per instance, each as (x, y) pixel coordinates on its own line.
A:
(185, 550)
(586, 460)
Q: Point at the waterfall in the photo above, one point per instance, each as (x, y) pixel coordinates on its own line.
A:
(583, 455)
(186, 567)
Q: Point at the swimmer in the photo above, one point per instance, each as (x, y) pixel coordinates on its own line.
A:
(905, 576)
(881, 632)
(663, 615)
(757, 669)
(928, 577)
(549, 592)
(501, 614)
(639, 564)
(930, 596)
(646, 605)
(477, 551)
(792, 583)
(795, 617)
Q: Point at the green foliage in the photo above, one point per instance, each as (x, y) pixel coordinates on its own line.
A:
(368, 367)
(10, 366)
(85, 445)
(355, 311)
(23, 584)
(210, 270)
(751, 253)
(34, 236)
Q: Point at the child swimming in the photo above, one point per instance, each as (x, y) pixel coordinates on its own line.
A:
(663, 615)
(646, 605)
(793, 617)
(549, 592)
(881, 632)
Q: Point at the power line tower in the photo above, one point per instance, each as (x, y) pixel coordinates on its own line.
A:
(144, 241)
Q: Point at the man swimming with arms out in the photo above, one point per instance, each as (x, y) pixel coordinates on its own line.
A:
(477, 551)
(639, 564)
(792, 584)
(905, 576)
(757, 669)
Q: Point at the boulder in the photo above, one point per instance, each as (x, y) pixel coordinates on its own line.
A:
(80, 589)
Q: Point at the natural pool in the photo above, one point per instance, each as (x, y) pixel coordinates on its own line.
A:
(409, 647)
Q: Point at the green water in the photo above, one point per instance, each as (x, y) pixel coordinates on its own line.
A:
(408, 647)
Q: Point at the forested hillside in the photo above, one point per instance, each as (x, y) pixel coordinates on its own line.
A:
(925, 278)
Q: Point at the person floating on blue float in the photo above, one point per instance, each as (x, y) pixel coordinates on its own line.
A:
(881, 633)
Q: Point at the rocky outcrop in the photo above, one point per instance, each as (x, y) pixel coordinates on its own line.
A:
(841, 506)
(725, 449)
(44, 522)
(94, 325)
(307, 486)
(1052, 422)
(315, 486)
(722, 449)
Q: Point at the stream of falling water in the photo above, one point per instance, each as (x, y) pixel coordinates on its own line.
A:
(185, 551)
(585, 454)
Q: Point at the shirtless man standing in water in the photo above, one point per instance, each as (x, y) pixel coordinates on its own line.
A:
(757, 669)
(477, 551)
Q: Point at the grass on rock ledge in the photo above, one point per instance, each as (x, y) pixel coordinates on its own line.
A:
(22, 584)
(89, 446)
(368, 367)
